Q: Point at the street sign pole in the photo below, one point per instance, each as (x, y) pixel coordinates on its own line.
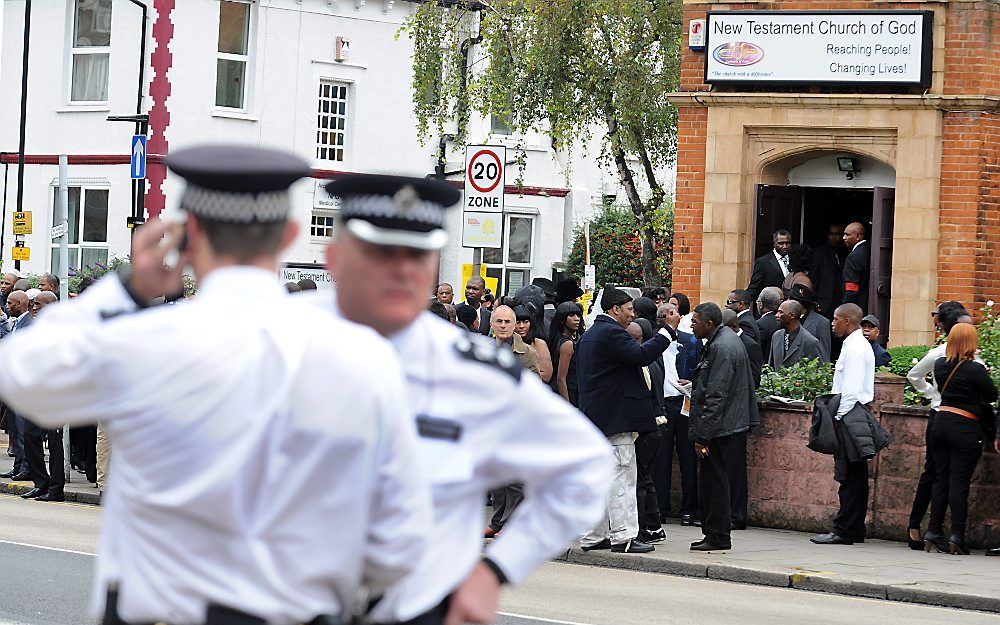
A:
(64, 277)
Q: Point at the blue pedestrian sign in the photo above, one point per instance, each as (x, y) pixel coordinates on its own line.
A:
(138, 157)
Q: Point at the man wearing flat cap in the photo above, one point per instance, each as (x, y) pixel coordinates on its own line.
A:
(482, 420)
(277, 434)
(616, 395)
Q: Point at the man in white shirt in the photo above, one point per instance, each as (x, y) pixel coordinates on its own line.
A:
(483, 420)
(854, 380)
(291, 481)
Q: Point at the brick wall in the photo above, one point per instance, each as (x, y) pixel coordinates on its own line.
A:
(692, 126)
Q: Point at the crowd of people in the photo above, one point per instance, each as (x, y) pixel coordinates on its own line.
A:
(20, 303)
(659, 379)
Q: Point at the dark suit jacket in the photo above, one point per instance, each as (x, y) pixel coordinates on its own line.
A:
(856, 275)
(818, 326)
(612, 389)
(687, 355)
(749, 325)
(484, 318)
(768, 325)
(828, 277)
(766, 272)
(804, 345)
(755, 356)
(22, 322)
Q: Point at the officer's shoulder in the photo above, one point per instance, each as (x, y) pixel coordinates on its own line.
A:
(483, 350)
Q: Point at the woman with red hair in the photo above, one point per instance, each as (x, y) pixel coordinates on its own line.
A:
(956, 439)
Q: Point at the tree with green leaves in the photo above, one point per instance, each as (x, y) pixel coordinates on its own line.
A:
(567, 67)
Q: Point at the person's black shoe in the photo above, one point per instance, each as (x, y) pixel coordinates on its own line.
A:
(34, 492)
(916, 544)
(604, 544)
(652, 536)
(21, 477)
(688, 520)
(993, 552)
(737, 526)
(934, 541)
(705, 545)
(7, 475)
(632, 546)
(831, 539)
(956, 545)
(51, 497)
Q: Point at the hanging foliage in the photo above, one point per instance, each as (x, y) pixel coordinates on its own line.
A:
(566, 67)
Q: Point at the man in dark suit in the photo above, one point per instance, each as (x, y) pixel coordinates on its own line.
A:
(811, 320)
(20, 318)
(614, 395)
(736, 463)
(771, 268)
(856, 266)
(792, 342)
(767, 303)
(740, 302)
(475, 288)
(721, 402)
(827, 270)
(48, 484)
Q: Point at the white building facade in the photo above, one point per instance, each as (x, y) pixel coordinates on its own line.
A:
(325, 79)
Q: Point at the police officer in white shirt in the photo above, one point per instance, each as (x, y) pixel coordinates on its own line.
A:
(259, 475)
(482, 421)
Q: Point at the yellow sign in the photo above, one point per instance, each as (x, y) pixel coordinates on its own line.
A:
(491, 283)
(21, 253)
(22, 223)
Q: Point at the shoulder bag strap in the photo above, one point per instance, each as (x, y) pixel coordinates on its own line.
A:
(960, 363)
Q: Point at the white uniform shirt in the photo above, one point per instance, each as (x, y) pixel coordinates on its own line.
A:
(854, 375)
(511, 431)
(262, 461)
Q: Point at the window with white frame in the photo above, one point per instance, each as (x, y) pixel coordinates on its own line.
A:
(331, 120)
(87, 228)
(321, 225)
(511, 264)
(90, 52)
(233, 62)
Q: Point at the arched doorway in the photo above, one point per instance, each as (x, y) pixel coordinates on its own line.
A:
(814, 190)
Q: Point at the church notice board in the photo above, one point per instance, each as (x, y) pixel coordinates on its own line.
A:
(870, 48)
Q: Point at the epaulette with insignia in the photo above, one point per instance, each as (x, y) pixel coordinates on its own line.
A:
(486, 351)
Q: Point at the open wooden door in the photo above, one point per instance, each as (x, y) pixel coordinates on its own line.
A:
(880, 276)
(777, 207)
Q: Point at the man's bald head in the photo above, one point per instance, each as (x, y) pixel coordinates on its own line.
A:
(854, 233)
(7, 283)
(788, 315)
(17, 303)
(22, 285)
(846, 319)
(730, 319)
(42, 300)
(634, 331)
(769, 299)
(502, 322)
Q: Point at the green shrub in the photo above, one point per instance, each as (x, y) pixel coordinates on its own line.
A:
(805, 380)
(903, 359)
(989, 340)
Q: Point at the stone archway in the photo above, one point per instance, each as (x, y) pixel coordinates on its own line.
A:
(749, 146)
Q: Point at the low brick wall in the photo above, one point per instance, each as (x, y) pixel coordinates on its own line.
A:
(792, 487)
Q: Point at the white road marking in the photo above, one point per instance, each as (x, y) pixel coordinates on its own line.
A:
(11, 542)
(538, 618)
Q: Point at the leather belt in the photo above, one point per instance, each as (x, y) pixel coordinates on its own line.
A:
(959, 412)
(215, 615)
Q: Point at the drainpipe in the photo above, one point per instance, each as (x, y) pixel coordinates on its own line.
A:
(24, 113)
(142, 57)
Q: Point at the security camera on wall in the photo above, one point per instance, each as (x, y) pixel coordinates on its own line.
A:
(849, 165)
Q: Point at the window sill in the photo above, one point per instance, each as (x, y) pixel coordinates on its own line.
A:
(338, 63)
(228, 114)
(84, 108)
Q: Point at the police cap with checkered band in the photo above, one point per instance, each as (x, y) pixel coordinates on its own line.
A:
(395, 210)
(237, 183)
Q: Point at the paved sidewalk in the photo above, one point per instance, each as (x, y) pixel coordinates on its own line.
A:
(79, 489)
(877, 569)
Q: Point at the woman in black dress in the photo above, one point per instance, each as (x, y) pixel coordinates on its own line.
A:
(956, 438)
(566, 329)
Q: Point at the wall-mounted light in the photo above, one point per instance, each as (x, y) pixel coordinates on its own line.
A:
(848, 165)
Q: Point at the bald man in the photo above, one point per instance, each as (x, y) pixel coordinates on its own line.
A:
(792, 343)
(856, 266)
(6, 286)
(17, 304)
(42, 300)
(854, 381)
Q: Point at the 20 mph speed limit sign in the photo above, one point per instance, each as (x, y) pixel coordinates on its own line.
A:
(484, 178)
